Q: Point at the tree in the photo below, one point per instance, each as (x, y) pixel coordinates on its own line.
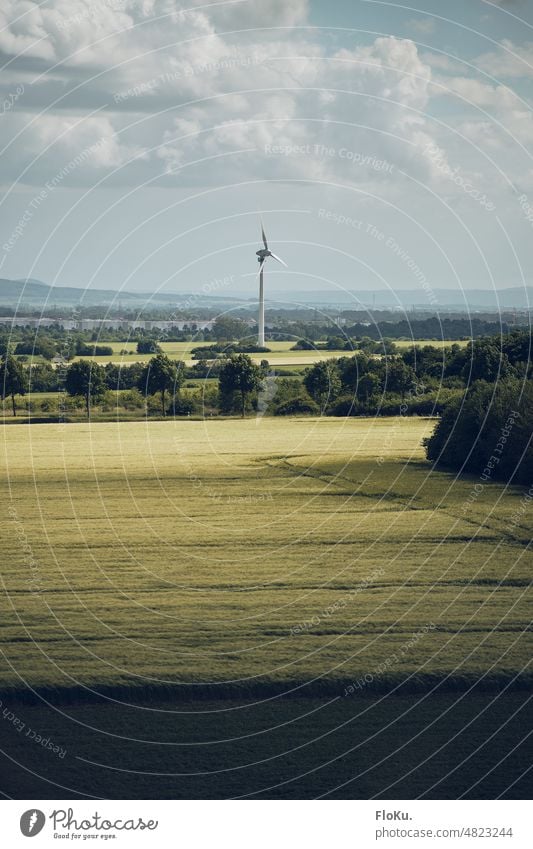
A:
(148, 346)
(487, 431)
(427, 361)
(37, 345)
(43, 378)
(486, 361)
(13, 379)
(335, 343)
(226, 327)
(368, 384)
(239, 376)
(323, 382)
(5, 344)
(399, 377)
(518, 346)
(351, 369)
(123, 376)
(87, 379)
(162, 375)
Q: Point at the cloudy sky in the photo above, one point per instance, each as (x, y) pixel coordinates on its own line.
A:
(382, 144)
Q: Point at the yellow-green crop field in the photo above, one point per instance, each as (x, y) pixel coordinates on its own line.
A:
(255, 554)
(280, 352)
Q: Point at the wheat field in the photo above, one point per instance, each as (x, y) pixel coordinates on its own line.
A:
(243, 554)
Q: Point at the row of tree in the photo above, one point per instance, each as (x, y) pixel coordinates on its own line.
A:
(89, 380)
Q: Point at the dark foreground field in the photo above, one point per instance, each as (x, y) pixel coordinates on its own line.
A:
(436, 746)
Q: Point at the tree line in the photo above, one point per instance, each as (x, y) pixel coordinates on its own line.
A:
(474, 389)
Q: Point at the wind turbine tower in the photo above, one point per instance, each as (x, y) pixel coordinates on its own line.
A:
(262, 256)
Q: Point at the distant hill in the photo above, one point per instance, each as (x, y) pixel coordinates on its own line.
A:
(39, 295)
(517, 297)
(35, 294)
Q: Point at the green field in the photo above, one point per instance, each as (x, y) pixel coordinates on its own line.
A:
(204, 568)
(280, 352)
(149, 538)
(435, 343)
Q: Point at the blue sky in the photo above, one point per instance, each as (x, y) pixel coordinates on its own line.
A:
(382, 143)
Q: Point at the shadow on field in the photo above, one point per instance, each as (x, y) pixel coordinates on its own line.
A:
(436, 746)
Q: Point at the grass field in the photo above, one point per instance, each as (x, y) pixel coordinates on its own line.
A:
(280, 352)
(307, 567)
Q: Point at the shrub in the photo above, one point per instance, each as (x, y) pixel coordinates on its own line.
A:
(148, 346)
(183, 407)
(49, 405)
(347, 405)
(94, 350)
(153, 405)
(303, 345)
(131, 399)
(297, 406)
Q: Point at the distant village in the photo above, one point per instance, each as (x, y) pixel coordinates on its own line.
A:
(109, 323)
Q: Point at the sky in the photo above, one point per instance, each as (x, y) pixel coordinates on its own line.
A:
(384, 145)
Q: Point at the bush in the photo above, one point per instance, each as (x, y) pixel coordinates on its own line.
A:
(148, 346)
(303, 345)
(227, 349)
(94, 351)
(297, 406)
(183, 407)
(205, 369)
(37, 346)
(123, 376)
(131, 399)
(347, 405)
(71, 403)
(50, 405)
(153, 405)
(251, 349)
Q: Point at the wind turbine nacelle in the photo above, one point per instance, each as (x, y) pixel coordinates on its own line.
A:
(264, 253)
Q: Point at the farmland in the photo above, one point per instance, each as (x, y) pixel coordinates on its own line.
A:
(224, 563)
(280, 352)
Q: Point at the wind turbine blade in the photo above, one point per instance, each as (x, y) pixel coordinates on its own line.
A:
(264, 237)
(261, 264)
(278, 259)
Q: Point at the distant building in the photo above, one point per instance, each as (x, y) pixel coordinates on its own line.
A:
(109, 323)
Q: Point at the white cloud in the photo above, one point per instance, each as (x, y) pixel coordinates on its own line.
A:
(481, 94)
(176, 90)
(364, 105)
(443, 62)
(508, 60)
(507, 118)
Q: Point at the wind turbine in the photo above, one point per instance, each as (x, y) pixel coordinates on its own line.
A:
(262, 256)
